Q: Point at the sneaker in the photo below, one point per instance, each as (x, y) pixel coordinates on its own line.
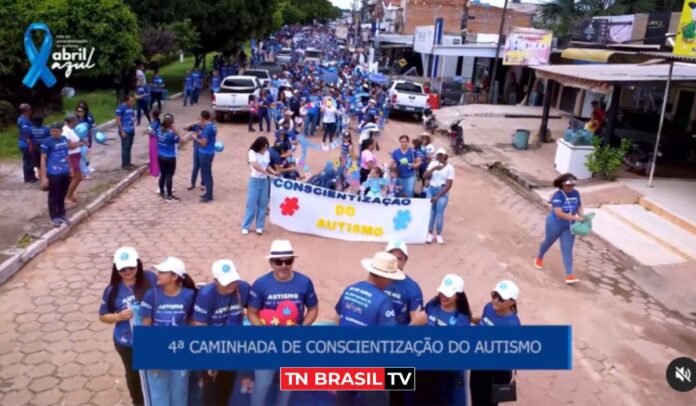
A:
(439, 239)
(191, 187)
(54, 222)
(91, 169)
(259, 231)
(245, 231)
(206, 200)
(538, 263)
(571, 280)
(64, 220)
(429, 239)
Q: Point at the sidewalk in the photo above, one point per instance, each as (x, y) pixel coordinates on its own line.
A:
(23, 213)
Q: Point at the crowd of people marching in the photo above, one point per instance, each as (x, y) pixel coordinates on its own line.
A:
(286, 297)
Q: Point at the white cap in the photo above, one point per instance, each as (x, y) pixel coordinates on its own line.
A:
(441, 151)
(397, 245)
(125, 257)
(171, 264)
(281, 249)
(451, 285)
(225, 272)
(507, 290)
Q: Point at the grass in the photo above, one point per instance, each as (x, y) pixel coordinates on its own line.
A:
(101, 103)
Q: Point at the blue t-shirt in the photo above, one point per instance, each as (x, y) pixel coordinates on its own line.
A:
(275, 158)
(438, 317)
(363, 304)
(157, 84)
(188, 82)
(568, 202)
(168, 310)
(267, 292)
(89, 119)
(24, 129)
(166, 143)
(56, 151)
(405, 170)
(491, 318)
(127, 115)
(374, 186)
(407, 297)
(215, 83)
(197, 78)
(420, 153)
(123, 334)
(38, 134)
(215, 309)
(143, 91)
(208, 132)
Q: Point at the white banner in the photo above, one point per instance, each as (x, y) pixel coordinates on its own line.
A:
(305, 208)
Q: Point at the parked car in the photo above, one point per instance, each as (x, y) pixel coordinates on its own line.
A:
(408, 97)
(312, 55)
(262, 75)
(451, 93)
(273, 68)
(284, 55)
(233, 96)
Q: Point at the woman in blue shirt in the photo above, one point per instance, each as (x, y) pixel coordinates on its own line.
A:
(566, 207)
(500, 311)
(450, 308)
(127, 287)
(167, 138)
(405, 160)
(170, 303)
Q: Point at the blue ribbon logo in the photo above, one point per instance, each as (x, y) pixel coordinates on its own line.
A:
(38, 59)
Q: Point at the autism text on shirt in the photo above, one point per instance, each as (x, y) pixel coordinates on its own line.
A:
(283, 296)
(171, 306)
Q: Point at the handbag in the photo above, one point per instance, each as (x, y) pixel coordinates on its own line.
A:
(505, 392)
(582, 227)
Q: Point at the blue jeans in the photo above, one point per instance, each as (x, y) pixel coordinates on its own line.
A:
(168, 387)
(310, 124)
(556, 229)
(437, 210)
(263, 380)
(188, 93)
(27, 164)
(194, 95)
(126, 147)
(257, 201)
(264, 116)
(408, 186)
(196, 168)
(143, 107)
(205, 161)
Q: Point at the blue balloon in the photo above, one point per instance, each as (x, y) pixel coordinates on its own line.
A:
(219, 146)
(100, 138)
(82, 130)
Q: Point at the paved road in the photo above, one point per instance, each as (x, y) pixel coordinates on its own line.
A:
(53, 349)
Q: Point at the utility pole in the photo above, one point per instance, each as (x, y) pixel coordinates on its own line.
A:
(493, 82)
(465, 21)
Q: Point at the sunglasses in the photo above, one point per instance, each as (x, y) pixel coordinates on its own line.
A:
(497, 297)
(126, 269)
(281, 262)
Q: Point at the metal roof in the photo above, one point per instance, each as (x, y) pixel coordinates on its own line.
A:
(599, 78)
(669, 56)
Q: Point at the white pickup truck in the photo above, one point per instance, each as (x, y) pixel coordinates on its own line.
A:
(408, 97)
(233, 96)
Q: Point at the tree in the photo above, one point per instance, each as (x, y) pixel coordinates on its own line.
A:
(107, 25)
(158, 39)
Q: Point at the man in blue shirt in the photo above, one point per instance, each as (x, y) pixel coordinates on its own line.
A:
(365, 304)
(197, 77)
(406, 295)
(156, 90)
(56, 173)
(205, 137)
(126, 130)
(281, 284)
(188, 88)
(24, 143)
(38, 134)
(215, 82)
(142, 95)
(221, 303)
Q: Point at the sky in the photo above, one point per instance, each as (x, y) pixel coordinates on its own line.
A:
(348, 4)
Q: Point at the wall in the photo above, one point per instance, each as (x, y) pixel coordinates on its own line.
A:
(487, 19)
(424, 12)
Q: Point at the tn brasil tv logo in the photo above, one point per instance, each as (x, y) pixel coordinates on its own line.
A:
(38, 58)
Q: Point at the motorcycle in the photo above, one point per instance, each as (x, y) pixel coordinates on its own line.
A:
(640, 158)
(428, 119)
(456, 134)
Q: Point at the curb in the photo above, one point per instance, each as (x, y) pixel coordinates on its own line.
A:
(13, 264)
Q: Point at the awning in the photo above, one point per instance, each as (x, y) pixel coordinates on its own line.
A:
(600, 78)
(669, 56)
(587, 55)
(393, 39)
(467, 50)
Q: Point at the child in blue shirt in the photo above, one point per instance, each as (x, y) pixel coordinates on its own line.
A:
(375, 185)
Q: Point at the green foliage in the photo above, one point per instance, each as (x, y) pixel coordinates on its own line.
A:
(605, 160)
(185, 34)
(8, 114)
